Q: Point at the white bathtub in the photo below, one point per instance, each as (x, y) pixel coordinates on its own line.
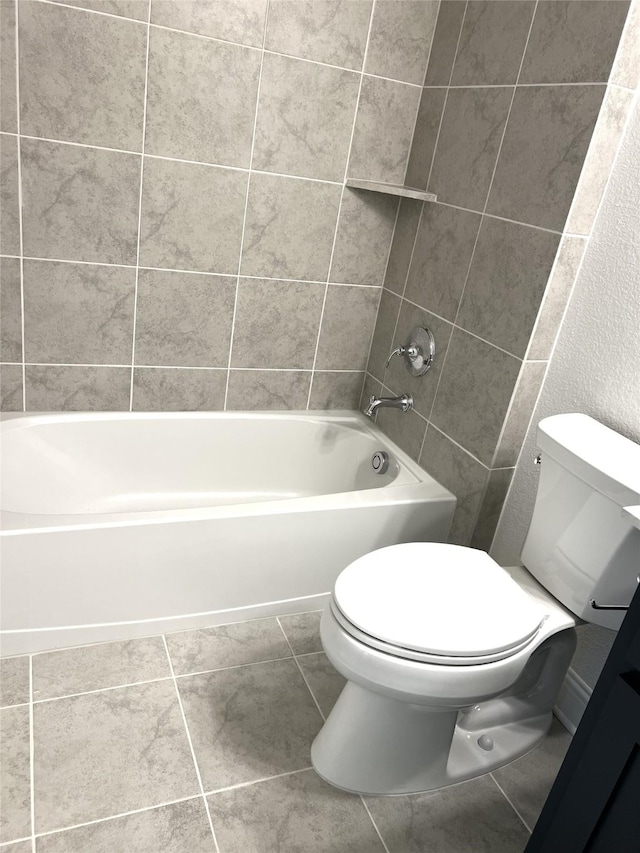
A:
(123, 525)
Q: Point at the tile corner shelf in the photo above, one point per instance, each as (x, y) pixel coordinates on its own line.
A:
(390, 189)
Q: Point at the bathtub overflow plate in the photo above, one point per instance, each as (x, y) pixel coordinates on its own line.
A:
(380, 461)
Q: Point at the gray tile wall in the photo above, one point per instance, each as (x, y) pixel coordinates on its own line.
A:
(175, 232)
(505, 138)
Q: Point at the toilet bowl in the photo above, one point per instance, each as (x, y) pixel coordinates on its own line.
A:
(454, 663)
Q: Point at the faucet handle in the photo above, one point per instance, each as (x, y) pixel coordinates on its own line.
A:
(411, 351)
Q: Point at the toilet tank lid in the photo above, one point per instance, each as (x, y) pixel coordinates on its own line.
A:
(598, 455)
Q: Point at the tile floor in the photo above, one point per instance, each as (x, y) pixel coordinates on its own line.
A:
(199, 741)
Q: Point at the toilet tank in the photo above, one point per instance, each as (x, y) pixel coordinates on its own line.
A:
(581, 544)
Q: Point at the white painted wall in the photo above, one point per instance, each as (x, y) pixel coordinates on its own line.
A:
(595, 367)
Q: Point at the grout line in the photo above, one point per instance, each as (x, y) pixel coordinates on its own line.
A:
(144, 134)
(257, 781)
(115, 816)
(335, 233)
(246, 209)
(99, 689)
(20, 223)
(32, 759)
(453, 441)
(304, 678)
(504, 794)
(186, 728)
(375, 826)
(495, 216)
(192, 272)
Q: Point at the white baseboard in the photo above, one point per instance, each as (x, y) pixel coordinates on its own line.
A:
(572, 700)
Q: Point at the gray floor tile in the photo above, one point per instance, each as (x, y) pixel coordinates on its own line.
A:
(249, 722)
(303, 631)
(528, 781)
(18, 847)
(15, 788)
(178, 828)
(88, 668)
(227, 645)
(14, 681)
(106, 753)
(470, 818)
(325, 681)
(292, 814)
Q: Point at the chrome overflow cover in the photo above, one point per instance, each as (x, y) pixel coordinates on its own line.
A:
(380, 461)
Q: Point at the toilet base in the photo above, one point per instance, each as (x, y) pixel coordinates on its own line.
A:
(372, 744)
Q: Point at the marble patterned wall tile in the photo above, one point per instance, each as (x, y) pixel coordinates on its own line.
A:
(365, 229)
(191, 216)
(136, 9)
(74, 388)
(474, 394)
(424, 137)
(81, 76)
(264, 390)
(384, 129)
(10, 310)
(347, 326)
(290, 226)
(599, 160)
(445, 42)
(9, 196)
(382, 342)
(400, 39)
(524, 399)
(492, 42)
(506, 283)
(468, 145)
(332, 31)
(184, 319)
(79, 204)
(276, 323)
(402, 245)
(78, 313)
(573, 41)
(157, 389)
(462, 474)
(8, 103)
(336, 389)
(407, 429)
(444, 246)
(11, 388)
(201, 99)
(544, 147)
(305, 118)
(494, 497)
(240, 21)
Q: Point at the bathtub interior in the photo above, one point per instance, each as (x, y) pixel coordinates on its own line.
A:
(131, 463)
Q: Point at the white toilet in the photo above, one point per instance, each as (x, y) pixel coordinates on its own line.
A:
(453, 664)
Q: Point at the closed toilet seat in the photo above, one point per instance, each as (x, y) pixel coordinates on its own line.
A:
(436, 603)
